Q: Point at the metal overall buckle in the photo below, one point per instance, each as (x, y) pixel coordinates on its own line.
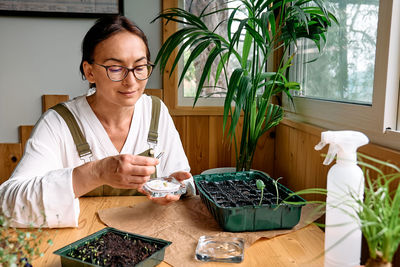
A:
(152, 146)
(86, 157)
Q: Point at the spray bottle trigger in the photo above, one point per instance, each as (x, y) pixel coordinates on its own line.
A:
(332, 151)
(320, 145)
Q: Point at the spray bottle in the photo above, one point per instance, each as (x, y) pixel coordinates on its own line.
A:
(345, 184)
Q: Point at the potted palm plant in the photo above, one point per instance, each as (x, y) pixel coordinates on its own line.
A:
(248, 38)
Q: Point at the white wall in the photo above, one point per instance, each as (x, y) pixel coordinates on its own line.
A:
(42, 56)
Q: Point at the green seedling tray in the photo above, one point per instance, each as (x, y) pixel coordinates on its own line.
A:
(152, 260)
(251, 217)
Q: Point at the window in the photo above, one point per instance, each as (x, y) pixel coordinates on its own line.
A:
(211, 96)
(355, 83)
(346, 67)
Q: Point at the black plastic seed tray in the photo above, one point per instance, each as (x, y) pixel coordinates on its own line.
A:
(152, 260)
(234, 201)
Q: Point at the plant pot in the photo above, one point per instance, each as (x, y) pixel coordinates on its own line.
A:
(130, 249)
(234, 201)
(378, 262)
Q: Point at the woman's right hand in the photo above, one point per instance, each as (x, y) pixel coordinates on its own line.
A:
(125, 171)
(121, 171)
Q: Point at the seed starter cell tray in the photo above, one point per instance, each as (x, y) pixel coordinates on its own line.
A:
(233, 199)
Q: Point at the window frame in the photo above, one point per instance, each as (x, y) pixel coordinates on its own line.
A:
(170, 82)
(379, 120)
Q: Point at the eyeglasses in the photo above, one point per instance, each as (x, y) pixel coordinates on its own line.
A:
(118, 73)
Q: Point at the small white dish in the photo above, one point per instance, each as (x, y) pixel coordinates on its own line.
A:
(162, 186)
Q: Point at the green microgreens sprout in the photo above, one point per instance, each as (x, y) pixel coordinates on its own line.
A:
(260, 185)
(277, 190)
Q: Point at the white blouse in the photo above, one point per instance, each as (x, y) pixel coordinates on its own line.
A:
(40, 191)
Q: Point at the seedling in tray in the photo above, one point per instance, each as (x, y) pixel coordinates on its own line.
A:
(260, 185)
(277, 190)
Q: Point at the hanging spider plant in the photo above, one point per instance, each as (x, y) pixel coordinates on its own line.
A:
(255, 29)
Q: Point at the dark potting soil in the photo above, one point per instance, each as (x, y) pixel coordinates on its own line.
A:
(114, 250)
(239, 193)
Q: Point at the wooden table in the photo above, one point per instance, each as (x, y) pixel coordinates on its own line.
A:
(299, 248)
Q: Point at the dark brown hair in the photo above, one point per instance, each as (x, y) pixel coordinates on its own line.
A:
(103, 29)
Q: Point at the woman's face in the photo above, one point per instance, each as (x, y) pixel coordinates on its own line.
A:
(124, 49)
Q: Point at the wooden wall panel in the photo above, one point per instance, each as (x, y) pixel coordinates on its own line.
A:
(283, 154)
(220, 148)
(264, 156)
(384, 154)
(50, 100)
(297, 161)
(180, 125)
(170, 82)
(10, 154)
(24, 134)
(238, 132)
(197, 148)
(155, 92)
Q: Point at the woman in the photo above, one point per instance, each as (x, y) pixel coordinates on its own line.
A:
(115, 121)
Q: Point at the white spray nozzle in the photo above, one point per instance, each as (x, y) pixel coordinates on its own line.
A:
(342, 143)
(332, 151)
(320, 145)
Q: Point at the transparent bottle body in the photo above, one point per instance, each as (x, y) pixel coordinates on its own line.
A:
(342, 232)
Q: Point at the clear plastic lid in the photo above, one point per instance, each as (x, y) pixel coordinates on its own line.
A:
(220, 249)
(162, 186)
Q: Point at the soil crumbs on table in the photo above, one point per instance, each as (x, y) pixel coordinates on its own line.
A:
(114, 250)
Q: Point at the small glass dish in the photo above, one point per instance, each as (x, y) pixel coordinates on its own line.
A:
(221, 249)
(162, 186)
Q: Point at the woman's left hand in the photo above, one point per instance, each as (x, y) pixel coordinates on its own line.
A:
(164, 200)
(179, 176)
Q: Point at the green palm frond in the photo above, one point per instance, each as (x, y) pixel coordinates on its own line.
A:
(261, 27)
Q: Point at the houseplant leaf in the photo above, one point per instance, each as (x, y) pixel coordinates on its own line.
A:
(255, 29)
